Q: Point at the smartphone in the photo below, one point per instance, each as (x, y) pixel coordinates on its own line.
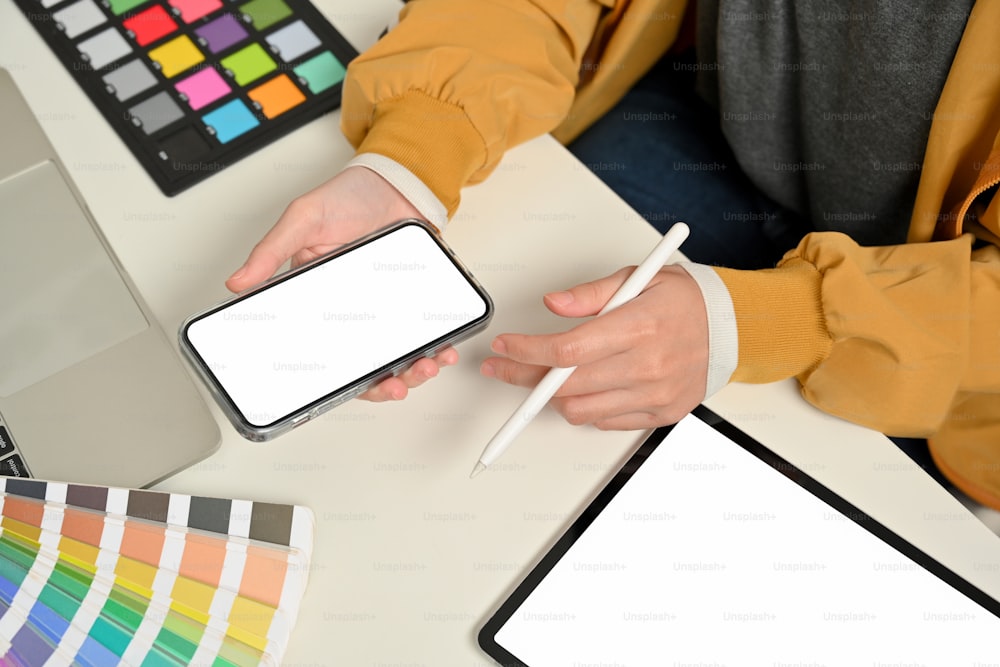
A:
(316, 336)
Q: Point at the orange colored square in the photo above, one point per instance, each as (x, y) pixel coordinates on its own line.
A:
(203, 559)
(23, 510)
(142, 543)
(263, 576)
(277, 96)
(83, 526)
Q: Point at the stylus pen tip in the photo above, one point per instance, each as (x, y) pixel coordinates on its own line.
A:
(478, 469)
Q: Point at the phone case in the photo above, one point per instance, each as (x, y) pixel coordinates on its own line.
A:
(308, 412)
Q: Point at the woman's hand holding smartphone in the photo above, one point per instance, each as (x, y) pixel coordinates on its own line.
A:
(372, 319)
(352, 204)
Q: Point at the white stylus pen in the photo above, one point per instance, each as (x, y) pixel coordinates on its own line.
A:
(555, 378)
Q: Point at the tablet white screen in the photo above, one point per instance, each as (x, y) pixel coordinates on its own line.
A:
(708, 556)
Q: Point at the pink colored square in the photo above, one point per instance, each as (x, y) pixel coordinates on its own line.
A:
(192, 10)
(203, 87)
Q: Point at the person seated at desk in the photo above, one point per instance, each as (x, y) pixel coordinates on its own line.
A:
(836, 167)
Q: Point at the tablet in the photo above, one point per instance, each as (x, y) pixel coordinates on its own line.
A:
(706, 549)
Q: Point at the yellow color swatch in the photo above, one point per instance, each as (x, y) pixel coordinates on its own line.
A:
(83, 553)
(194, 594)
(32, 533)
(250, 616)
(136, 572)
(176, 56)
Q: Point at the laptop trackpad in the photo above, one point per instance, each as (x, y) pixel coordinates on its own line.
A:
(61, 297)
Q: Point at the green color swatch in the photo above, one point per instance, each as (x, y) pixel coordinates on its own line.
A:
(321, 72)
(262, 12)
(249, 63)
(119, 7)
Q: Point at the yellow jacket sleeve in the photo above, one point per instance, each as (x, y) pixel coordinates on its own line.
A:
(886, 337)
(458, 82)
(902, 339)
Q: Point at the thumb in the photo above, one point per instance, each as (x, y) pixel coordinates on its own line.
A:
(277, 246)
(262, 263)
(586, 299)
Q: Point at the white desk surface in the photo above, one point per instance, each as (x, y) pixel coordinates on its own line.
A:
(411, 556)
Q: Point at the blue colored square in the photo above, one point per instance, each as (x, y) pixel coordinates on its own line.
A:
(93, 654)
(230, 120)
(46, 621)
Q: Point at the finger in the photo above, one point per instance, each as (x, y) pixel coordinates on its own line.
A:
(397, 388)
(633, 421)
(605, 375)
(599, 406)
(644, 419)
(588, 298)
(419, 373)
(447, 356)
(512, 372)
(424, 369)
(390, 389)
(583, 344)
(621, 410)
(278, 245)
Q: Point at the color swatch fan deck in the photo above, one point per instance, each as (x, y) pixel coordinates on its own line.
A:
(99, 576)
(191, 86)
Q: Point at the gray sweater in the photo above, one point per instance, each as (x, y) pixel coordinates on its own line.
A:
(827, 104)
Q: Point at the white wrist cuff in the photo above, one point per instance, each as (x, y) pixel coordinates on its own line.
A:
(723, 339)
(408, 185)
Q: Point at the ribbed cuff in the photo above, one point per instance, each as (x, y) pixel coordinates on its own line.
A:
(723, 338)
(434, 140)
(408, 185)
(779, 319)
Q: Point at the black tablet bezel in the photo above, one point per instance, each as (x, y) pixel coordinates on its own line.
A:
(487, 635)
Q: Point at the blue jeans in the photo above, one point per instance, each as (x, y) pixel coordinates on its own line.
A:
(662, 151)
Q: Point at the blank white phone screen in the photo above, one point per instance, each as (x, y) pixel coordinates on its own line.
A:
(708, 556)
(299, 340)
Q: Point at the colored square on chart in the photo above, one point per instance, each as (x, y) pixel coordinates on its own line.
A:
(148, 505)
(93, 497)
(83, 526)
(321, 72)
(192, 10)
(293, 40)
(249, 64)
(78, 18)
(176, 56)
(203, 87)
(185, 144)
(129, 80)
(156, 112)
(30, 647)
(277, 96)
(265, 13)
(104, 48)
(143, 545)
(230, 121)
(221, 33)
(150, 25)
(119, 7)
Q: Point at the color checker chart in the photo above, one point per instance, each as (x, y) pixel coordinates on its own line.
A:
(99, 576)
(192, 86)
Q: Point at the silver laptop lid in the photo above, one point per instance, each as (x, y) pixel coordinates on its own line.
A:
(91, 391)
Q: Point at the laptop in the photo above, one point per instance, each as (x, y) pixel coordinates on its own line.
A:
(91, 390)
